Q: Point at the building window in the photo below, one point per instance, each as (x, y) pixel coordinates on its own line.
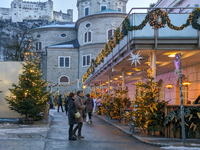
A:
(64, 61)
(86, 11)
(103, 8)
(86, 60)
(110, 33)
(39, 46)
(29, 15)
(63, 35)
(88, 25)
(38, 36)
(88, 37)
(64, 80)
(119, 9)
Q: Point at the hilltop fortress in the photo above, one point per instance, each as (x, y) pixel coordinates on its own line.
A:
(24, 10)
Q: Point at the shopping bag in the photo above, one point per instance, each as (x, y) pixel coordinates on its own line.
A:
(87, 117)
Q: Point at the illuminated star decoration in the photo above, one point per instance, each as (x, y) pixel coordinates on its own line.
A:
(135, 59)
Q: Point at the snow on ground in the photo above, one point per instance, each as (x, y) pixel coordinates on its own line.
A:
(180, 148)
(52, 112)
(22, 131)
(195, 144)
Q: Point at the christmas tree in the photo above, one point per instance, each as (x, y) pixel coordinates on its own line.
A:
(147, 107)
(29, 97)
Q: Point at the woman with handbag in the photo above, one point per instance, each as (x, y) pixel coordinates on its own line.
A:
(80, 107)
(72, 115)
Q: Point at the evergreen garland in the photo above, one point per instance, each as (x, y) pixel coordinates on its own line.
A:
(152, 17)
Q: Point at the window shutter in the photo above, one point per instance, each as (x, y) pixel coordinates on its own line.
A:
(90, 37)
(86, 37)
(67, 62)
(61, 61)
(84, 61)
(88, 59)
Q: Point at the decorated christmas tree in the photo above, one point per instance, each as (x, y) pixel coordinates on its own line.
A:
(29, 96)
(147, 107)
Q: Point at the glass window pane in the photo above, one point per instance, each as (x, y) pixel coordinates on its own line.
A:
(61, 61)
(66, 62)
(86, 11)
(109, 34)
(89, 38)
(37, 46)
(84, 61)
(85, 37)
(40, 45)
(88, 60)
(103, 8)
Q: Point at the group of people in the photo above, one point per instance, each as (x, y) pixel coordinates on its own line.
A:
(75, 104)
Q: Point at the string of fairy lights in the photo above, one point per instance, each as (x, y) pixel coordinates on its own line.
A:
(57, 84)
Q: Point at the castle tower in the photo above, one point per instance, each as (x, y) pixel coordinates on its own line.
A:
(49, 5)
(97, 22)
(16, 11)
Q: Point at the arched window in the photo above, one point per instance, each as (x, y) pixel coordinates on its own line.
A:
(39, 46)
(64, 79)
(88, 37)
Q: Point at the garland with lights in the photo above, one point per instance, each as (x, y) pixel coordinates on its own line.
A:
(152, 17)
(57, 84)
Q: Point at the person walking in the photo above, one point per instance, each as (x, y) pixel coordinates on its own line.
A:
(99, 103)
(89, 106)
(71, 115)
(60, 103)
(66, 104)
(80, 107)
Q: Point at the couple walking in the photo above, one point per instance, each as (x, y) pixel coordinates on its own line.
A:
(76, 104)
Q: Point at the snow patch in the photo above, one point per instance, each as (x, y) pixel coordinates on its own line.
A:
(22, 130)
(52, 112)
(195, 144)
(59, 26)
(63, 46)
(180, 148)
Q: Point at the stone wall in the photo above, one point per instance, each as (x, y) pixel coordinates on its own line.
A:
(54, 72)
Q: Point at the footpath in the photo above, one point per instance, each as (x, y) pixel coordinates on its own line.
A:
(149, 139)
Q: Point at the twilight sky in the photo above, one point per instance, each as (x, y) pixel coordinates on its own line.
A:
(71, 4)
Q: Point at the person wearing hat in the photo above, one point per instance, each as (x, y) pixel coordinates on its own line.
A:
(60, 103)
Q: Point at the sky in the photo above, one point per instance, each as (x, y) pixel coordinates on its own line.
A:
(71, 4)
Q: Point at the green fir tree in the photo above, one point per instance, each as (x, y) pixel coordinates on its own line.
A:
(147, 106)
(30, 96)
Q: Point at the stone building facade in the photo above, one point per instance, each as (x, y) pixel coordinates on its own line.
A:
(24, 10)
(67, 48)
(178, 3)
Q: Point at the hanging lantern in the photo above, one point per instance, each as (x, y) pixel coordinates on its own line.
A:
(84, 86)
(169, 86)
(186, 83)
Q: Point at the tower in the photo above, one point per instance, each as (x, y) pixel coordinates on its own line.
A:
(89, 7)
(97, 21)
(16, 11)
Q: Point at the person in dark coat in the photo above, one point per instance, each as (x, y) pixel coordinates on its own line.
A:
(60, 103)
(89, 106)
(71, 115)
(80, 107)
(66, 105)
